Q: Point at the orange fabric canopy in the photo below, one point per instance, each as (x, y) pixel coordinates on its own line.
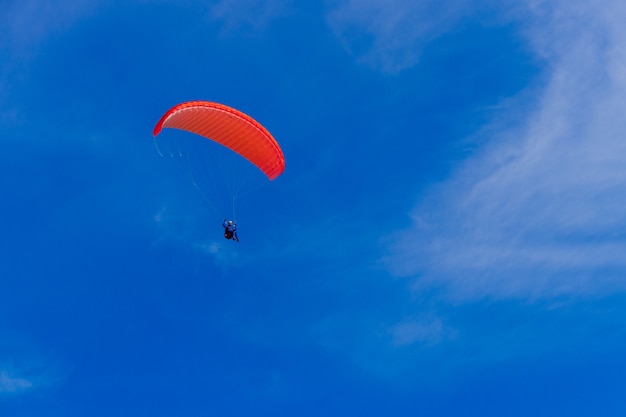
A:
(229, 127)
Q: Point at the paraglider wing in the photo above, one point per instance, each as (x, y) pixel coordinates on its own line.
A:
(229, 127)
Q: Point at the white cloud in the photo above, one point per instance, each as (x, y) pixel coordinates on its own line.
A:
(540, 211)
(27, 23)
(254, 15)
(390, 34)
(222, 252)
(425, 330)
(25, 26)
(11, 384)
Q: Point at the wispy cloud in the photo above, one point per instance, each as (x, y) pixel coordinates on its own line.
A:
(248, 15)
(426, 330)
(390, 34)
(26, 24)
(539, 212)
(23, 369)
(34, 375)
(12, 384)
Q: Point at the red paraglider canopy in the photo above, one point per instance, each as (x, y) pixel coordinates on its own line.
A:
(229, 127)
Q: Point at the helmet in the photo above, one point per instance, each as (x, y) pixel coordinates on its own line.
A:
(230, 222)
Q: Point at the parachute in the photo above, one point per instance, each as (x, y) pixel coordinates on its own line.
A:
(231, 128)
(217, 160)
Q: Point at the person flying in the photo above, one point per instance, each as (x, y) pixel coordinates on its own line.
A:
(230, 230)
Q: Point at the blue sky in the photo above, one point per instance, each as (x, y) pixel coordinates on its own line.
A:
(447, 237)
